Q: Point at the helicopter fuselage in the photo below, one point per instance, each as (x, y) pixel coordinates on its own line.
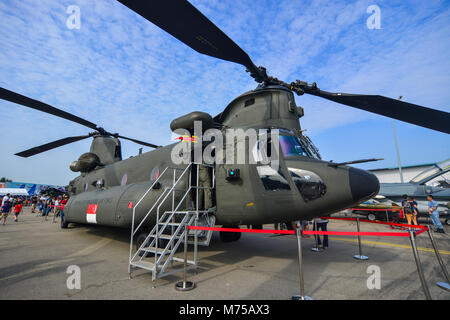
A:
(300, 187)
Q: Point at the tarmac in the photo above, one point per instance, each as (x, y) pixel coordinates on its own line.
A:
(36, 254)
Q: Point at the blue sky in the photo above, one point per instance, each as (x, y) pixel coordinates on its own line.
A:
(127, 75)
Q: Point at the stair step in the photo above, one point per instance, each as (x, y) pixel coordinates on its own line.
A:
(182, 260)
(144, 265)
(153, 249)
(164, 236)
(170, 223)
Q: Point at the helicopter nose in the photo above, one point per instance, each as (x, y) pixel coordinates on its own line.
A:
(363, 184)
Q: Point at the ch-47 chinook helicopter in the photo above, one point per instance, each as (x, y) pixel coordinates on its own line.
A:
(119, 193)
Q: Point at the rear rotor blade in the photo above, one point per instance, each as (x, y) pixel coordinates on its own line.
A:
(183, 21)
(139, 142)
(38, 105)
(51, 145)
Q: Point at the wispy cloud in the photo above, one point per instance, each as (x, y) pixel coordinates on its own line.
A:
(127, 75)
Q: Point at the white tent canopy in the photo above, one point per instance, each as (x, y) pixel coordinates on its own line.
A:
(13, 191)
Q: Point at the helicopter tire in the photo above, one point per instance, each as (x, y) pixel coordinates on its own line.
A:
(371, 217)
(447, 222)
(226, 236)
(289, 225)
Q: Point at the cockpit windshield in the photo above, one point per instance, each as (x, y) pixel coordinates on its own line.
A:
(290, 143)
(441, 166)
(291, 146)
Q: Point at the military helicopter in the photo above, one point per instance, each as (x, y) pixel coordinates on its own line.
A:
(304, 186)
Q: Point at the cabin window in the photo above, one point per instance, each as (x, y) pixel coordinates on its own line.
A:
(124, 180)
(154, 175)
(117, 152)
(309, 184)
(272, 179)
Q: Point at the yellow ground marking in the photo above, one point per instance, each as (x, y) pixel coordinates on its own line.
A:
(388, 244)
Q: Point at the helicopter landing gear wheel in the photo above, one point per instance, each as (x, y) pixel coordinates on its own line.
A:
(447, 222)
(226, 236)
(288, 225)
(371, 217)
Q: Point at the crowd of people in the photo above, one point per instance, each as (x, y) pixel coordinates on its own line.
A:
(9, 204)
(41, 205)
(410, 210)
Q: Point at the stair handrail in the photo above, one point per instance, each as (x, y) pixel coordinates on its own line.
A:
(162, 201)
(164, 195)
(133, 231)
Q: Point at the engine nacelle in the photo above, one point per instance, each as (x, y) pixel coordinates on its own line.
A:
(187, 121)
(86, 162)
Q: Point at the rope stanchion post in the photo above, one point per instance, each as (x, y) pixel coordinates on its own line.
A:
(419, 266)
(359, 256)
(300, 268)
(185, 285)
(442, 285)
(316, 238)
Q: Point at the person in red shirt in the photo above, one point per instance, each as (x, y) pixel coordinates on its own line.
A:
(17, 210)
(63, 203)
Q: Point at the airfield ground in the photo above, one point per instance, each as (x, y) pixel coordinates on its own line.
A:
(35, 255)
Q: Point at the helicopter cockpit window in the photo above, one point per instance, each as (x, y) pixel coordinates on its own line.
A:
(308, 183)
(272, 180)
(291, 147)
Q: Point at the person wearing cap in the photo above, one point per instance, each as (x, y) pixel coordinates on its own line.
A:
(63, 203)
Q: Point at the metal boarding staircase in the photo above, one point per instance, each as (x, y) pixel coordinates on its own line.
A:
(169, 230)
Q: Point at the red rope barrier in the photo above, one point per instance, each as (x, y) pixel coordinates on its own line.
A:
(370, 234)
(243, 230)
(378, 222)
(331, 233)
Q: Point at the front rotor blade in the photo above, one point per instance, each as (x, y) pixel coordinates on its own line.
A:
(49, 146)
(183, 21)
(38, 105)
(140, 142)
(393, 108)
